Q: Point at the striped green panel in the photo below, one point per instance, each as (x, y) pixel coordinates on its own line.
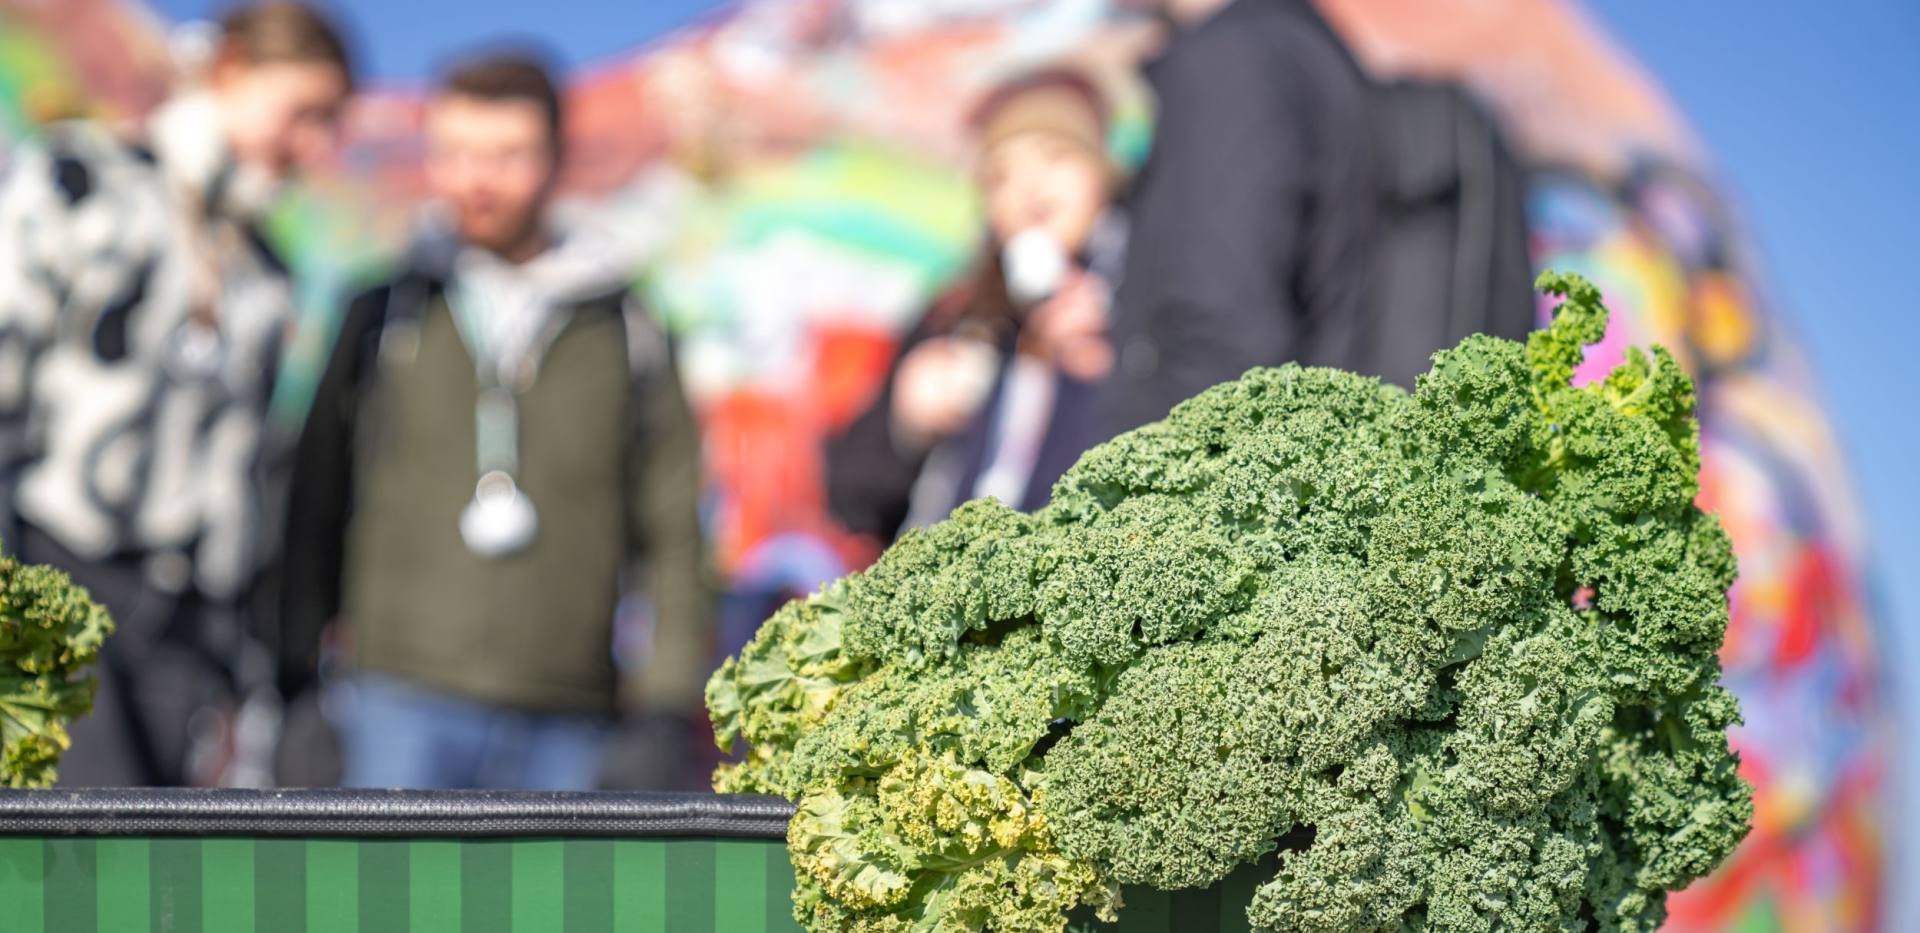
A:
(23, 875)
(69, 894)
(1236, 892)
(280, 885)
(333, 886)
(123, 895)
(639, 886)
(128, 885)
(226, 886)
(1219, 909)
(385, 896)
(433, 887)
(691, 885)
(486, 886)
(1196, 910)
(743, 866)
(588, 885)
(779, 892)
(1147, 912)
(539, 886)
(174, 870)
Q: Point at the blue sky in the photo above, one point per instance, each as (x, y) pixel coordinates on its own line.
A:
(1812, 111)
(404, 39)
(1812, 116)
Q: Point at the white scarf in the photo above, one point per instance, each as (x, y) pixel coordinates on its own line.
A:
(508, 313)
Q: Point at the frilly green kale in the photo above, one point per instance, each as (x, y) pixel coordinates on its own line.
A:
(49, 632)
(1451, 655)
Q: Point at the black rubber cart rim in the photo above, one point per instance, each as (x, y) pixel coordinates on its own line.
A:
(381, 813)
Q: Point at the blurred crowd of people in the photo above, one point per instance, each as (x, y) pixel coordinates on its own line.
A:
(420, 590)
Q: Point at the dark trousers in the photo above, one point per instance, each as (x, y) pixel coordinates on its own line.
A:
(154, 673)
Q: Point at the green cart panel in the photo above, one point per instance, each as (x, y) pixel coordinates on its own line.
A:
(459, 863)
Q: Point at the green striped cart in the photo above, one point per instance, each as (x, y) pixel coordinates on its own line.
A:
(233, 861)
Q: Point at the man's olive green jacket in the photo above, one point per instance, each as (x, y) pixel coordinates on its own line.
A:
(609, 456)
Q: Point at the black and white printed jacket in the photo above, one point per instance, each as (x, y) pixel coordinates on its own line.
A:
(141, 320)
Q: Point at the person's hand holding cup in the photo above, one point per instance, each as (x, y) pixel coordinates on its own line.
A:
(940, 385)
(1069, 328)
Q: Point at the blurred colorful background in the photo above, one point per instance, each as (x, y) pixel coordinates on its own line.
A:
(1737, 179)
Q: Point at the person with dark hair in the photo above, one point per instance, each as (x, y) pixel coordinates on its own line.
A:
(499, 435)
(141, 320)
(1255, 212)
(989, 393)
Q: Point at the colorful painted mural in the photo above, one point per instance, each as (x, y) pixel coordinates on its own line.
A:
(100, 58)
(795, 174)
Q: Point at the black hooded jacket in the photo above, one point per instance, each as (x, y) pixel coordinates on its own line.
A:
(1253, 216)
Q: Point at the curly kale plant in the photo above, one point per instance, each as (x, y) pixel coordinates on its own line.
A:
(1449, 656)
(49, 631)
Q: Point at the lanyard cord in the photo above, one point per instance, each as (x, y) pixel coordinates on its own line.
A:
(496, 409)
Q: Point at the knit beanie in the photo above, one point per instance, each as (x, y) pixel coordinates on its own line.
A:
(1057, 101)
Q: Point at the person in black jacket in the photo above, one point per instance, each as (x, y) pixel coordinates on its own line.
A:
(1252, 218)
(989, 393)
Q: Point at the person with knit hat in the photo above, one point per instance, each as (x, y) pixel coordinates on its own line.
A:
(989, 392)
